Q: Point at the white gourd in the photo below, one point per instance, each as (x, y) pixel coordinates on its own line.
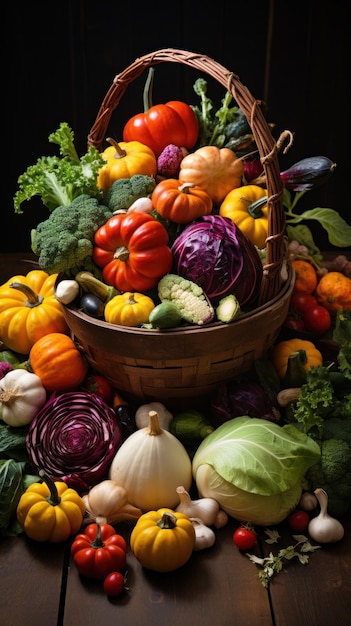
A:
(150, 464)
(22, 394)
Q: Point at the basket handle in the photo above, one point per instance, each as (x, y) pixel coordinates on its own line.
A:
(268, 149)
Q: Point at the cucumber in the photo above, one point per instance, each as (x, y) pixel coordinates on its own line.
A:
(165, 315)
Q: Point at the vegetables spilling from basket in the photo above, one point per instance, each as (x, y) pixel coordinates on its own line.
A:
(150, 234)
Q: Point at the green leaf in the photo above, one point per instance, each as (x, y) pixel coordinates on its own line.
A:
(338, 230)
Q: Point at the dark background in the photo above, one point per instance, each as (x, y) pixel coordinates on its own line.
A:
(63, 56)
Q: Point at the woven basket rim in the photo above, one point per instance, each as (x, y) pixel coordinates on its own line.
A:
(267, 146)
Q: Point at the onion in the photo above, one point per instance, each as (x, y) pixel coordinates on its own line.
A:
(215, 254)
(74, 438)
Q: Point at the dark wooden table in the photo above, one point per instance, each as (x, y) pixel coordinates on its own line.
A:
(40, 585)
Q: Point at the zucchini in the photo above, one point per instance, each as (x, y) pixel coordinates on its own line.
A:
(165, 315)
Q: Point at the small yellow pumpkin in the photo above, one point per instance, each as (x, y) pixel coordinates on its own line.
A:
(125, 159)
(163, 540)
(216, 170)
(29, 310)
(129, 309)
(247, 207)
(282, 350)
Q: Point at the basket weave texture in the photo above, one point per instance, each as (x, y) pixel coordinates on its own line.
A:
(190, 362)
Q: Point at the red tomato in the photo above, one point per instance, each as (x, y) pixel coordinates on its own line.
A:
(295, 323)
(244, 538)
(114, 584)
(317, 319)
(299, 520)
(301, 302)
(95, 383)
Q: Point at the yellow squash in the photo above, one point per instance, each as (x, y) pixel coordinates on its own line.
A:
(129, 309)
(50, 511)
(247, 207)
(125, 159)
(284, 349)
(163, 540)
(29, 310)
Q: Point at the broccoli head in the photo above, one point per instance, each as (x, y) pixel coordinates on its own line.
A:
(124, 191)
(64, 242)
(333, 474)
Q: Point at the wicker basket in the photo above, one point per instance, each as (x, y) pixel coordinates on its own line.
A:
(185, 365)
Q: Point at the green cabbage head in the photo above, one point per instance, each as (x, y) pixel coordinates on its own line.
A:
(254, 468)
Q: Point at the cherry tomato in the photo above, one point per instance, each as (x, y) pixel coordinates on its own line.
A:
(244, 538)
(95, 383)
(114, 584)
(299, 520)
(295, 323)
(301, 302)
(317, 319)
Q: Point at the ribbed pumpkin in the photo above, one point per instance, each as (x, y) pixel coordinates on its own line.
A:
(57, 361)
(247, 207)
(216, 170)
(125, 159)
(282, 350)
(180, 202)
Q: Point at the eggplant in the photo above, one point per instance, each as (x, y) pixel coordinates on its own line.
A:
(92, 305)
(308, 173)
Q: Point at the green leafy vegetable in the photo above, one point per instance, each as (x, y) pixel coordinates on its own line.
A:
(213, 124)
(59, 180)
(254, 468)
(11, 489)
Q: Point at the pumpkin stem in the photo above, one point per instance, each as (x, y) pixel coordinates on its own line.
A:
(53, 498)
(167, 521)
(254, 209)
(147, 93)
(33, 299)
(120, 153)
(154, 428)
(185, 187)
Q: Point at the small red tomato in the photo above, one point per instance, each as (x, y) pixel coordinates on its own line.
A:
(294, 323)
(114, 584)
(301, 302)
(98, 384)
(317, 319)
(244, 538)
(299, 520)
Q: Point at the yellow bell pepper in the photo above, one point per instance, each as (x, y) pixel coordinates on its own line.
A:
(50, 511)
(163, 540)
(125, 159)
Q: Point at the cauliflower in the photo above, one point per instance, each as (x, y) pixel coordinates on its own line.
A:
(64, 242)
(190, 299)
(124, 191)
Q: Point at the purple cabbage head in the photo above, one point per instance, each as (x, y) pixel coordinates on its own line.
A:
(239, 397)
(74, 438)
(216, 255)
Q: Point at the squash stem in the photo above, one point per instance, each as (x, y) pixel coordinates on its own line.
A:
(147, 93)
(33, 299)
(53, 498)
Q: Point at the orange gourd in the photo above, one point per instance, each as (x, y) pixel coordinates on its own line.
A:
(180, 202)
(306, 277)
(216, 170)
(334, 292)
(57, 361)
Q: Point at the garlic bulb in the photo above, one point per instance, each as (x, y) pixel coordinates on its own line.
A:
(107, 502)
(323, 528)
(204, 536)
(205, 509)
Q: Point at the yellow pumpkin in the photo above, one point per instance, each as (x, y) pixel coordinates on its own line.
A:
(247, 207)
(282, 350)
(129, 309)
(216, 170)
(29, 310)
(125, 159)
(163, 540)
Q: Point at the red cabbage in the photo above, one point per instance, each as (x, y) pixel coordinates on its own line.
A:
(74, 438)
(215, 254)
(242, 397)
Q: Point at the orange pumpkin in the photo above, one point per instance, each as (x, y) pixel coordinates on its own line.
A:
(306, 277)
(57, 361)
(125, 159)
(216, 170)
(334, 292)
(180, 202)
(29, 310)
